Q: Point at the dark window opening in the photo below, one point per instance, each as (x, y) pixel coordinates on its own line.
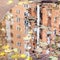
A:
(33, 51)
(11, 26)
(41, 34)
(48, 35)
(49, 18)
(40, 15)
(11, 34)
(35, 9)
(33, 43)
(49, 22)
(55, 32)
(12, 41)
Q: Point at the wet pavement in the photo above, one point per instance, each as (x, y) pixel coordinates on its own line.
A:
(42, 57)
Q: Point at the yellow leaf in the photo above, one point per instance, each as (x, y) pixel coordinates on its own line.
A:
(20, 3)
(2, 53)
(10, 2)
(29, 58)
(23, 56)
(8, 50)
(15, 56)
(5, 47)
(15, 50)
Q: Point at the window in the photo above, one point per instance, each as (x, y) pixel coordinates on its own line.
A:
(10, 10)
(18, 44)
(25, 13)
(55, 19)
(49, 22)
(12, 41)
(18, 19)
(18, 35)
(18, 28)
(41, 15)
(18, 11)
(11, 34)
(41, 33)
(26, 22)
(11, 26)
(55, 32)
(26, 5)
(49, 11)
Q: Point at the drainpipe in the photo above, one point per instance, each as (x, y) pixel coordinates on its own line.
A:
(38, 24)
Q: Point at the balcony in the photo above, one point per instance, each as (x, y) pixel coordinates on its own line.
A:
(40, 15)
(11, 34)
(41, 30)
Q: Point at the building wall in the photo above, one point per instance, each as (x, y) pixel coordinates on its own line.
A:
(18, 26)
(54, 20)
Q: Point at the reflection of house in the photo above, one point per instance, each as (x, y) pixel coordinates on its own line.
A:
(22, 21)
(50, 18)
